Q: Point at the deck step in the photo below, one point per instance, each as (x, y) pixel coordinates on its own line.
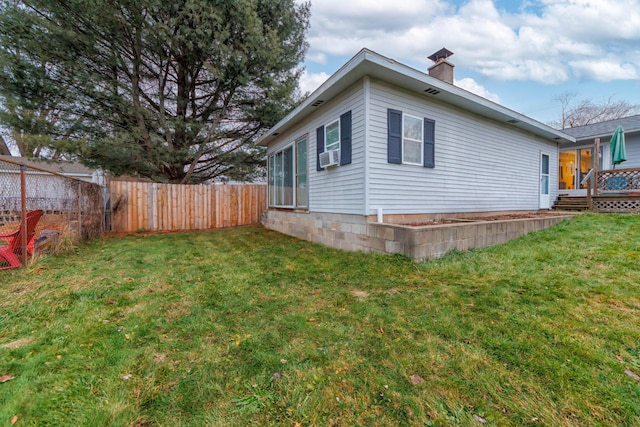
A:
(571, 203)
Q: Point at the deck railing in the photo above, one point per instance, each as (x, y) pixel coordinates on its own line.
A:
(618, 181)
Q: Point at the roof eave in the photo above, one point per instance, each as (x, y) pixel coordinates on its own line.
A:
(370, 63)
(307, 106)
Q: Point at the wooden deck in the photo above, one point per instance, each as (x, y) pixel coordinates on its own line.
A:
(615, 190)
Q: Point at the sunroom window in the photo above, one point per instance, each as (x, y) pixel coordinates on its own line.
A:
(288, 176)
(302, 193)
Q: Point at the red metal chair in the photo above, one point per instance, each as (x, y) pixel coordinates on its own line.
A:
(9, 253)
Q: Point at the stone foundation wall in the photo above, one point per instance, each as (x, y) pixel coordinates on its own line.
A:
(428, 242)
(348, 232)
(354, 233)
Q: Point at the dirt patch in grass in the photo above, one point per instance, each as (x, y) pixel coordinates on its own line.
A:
(359, 294)
(17, 343)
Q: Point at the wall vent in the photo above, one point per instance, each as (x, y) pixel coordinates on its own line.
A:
(513, 121)
(432, 91)
(318, 102)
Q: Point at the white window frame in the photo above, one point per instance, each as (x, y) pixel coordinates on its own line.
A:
(326, 133)
(272, 178)
(304, 138)
(274, 197)
(420, 142)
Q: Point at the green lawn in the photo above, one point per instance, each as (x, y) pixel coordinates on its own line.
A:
(249, 327)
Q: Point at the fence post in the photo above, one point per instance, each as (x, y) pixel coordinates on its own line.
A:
(79, 211)
(23, 208)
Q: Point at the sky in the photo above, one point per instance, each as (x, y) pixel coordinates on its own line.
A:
(522, 54)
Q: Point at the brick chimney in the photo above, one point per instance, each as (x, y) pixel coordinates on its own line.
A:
(442, 69)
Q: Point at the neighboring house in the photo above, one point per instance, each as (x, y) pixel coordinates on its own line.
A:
(576, 159)
(382, 141)
(70, 169)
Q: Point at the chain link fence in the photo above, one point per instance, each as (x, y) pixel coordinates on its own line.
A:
(72, 209)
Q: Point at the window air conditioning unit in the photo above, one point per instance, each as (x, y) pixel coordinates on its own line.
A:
(330, 158)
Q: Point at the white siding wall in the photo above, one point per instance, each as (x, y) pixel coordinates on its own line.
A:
(480, 165)
(339, 189)
(632, 147)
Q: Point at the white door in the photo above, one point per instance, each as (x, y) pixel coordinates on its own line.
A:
(545, 202)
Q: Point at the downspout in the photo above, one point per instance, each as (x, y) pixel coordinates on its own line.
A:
(367, 117)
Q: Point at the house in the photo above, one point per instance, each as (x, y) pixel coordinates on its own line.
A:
(381, 142)
(576, 159)
(70, 169)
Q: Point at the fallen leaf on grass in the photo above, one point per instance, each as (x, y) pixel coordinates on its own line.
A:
(619, 358)
(416, 379)
(6, 377)
(360, 294)
(14, 419)
(479, 419)
(632, 374)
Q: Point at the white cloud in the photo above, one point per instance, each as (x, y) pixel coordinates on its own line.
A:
(550, 72)
(310, 81)
(548, 41)
(605, 70)
(473, 87)
(318, 57)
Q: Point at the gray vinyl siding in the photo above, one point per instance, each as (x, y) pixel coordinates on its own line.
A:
(632, 147)
(480, 165)
(339, 189)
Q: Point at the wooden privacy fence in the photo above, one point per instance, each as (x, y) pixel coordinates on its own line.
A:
(171, 207)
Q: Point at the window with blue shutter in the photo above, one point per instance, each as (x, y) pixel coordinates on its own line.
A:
(345, 138)
(408, 135)
(336, 135)
(429, 143)
(319, 146)
(394, 136)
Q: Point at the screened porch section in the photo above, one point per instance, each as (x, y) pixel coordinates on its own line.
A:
(288, 186)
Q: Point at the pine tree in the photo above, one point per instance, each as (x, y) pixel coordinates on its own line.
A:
(174, 91)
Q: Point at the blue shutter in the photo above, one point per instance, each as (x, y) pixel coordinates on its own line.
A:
(345, 138)
(319, 145)
(429, 143)
(394, 136)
